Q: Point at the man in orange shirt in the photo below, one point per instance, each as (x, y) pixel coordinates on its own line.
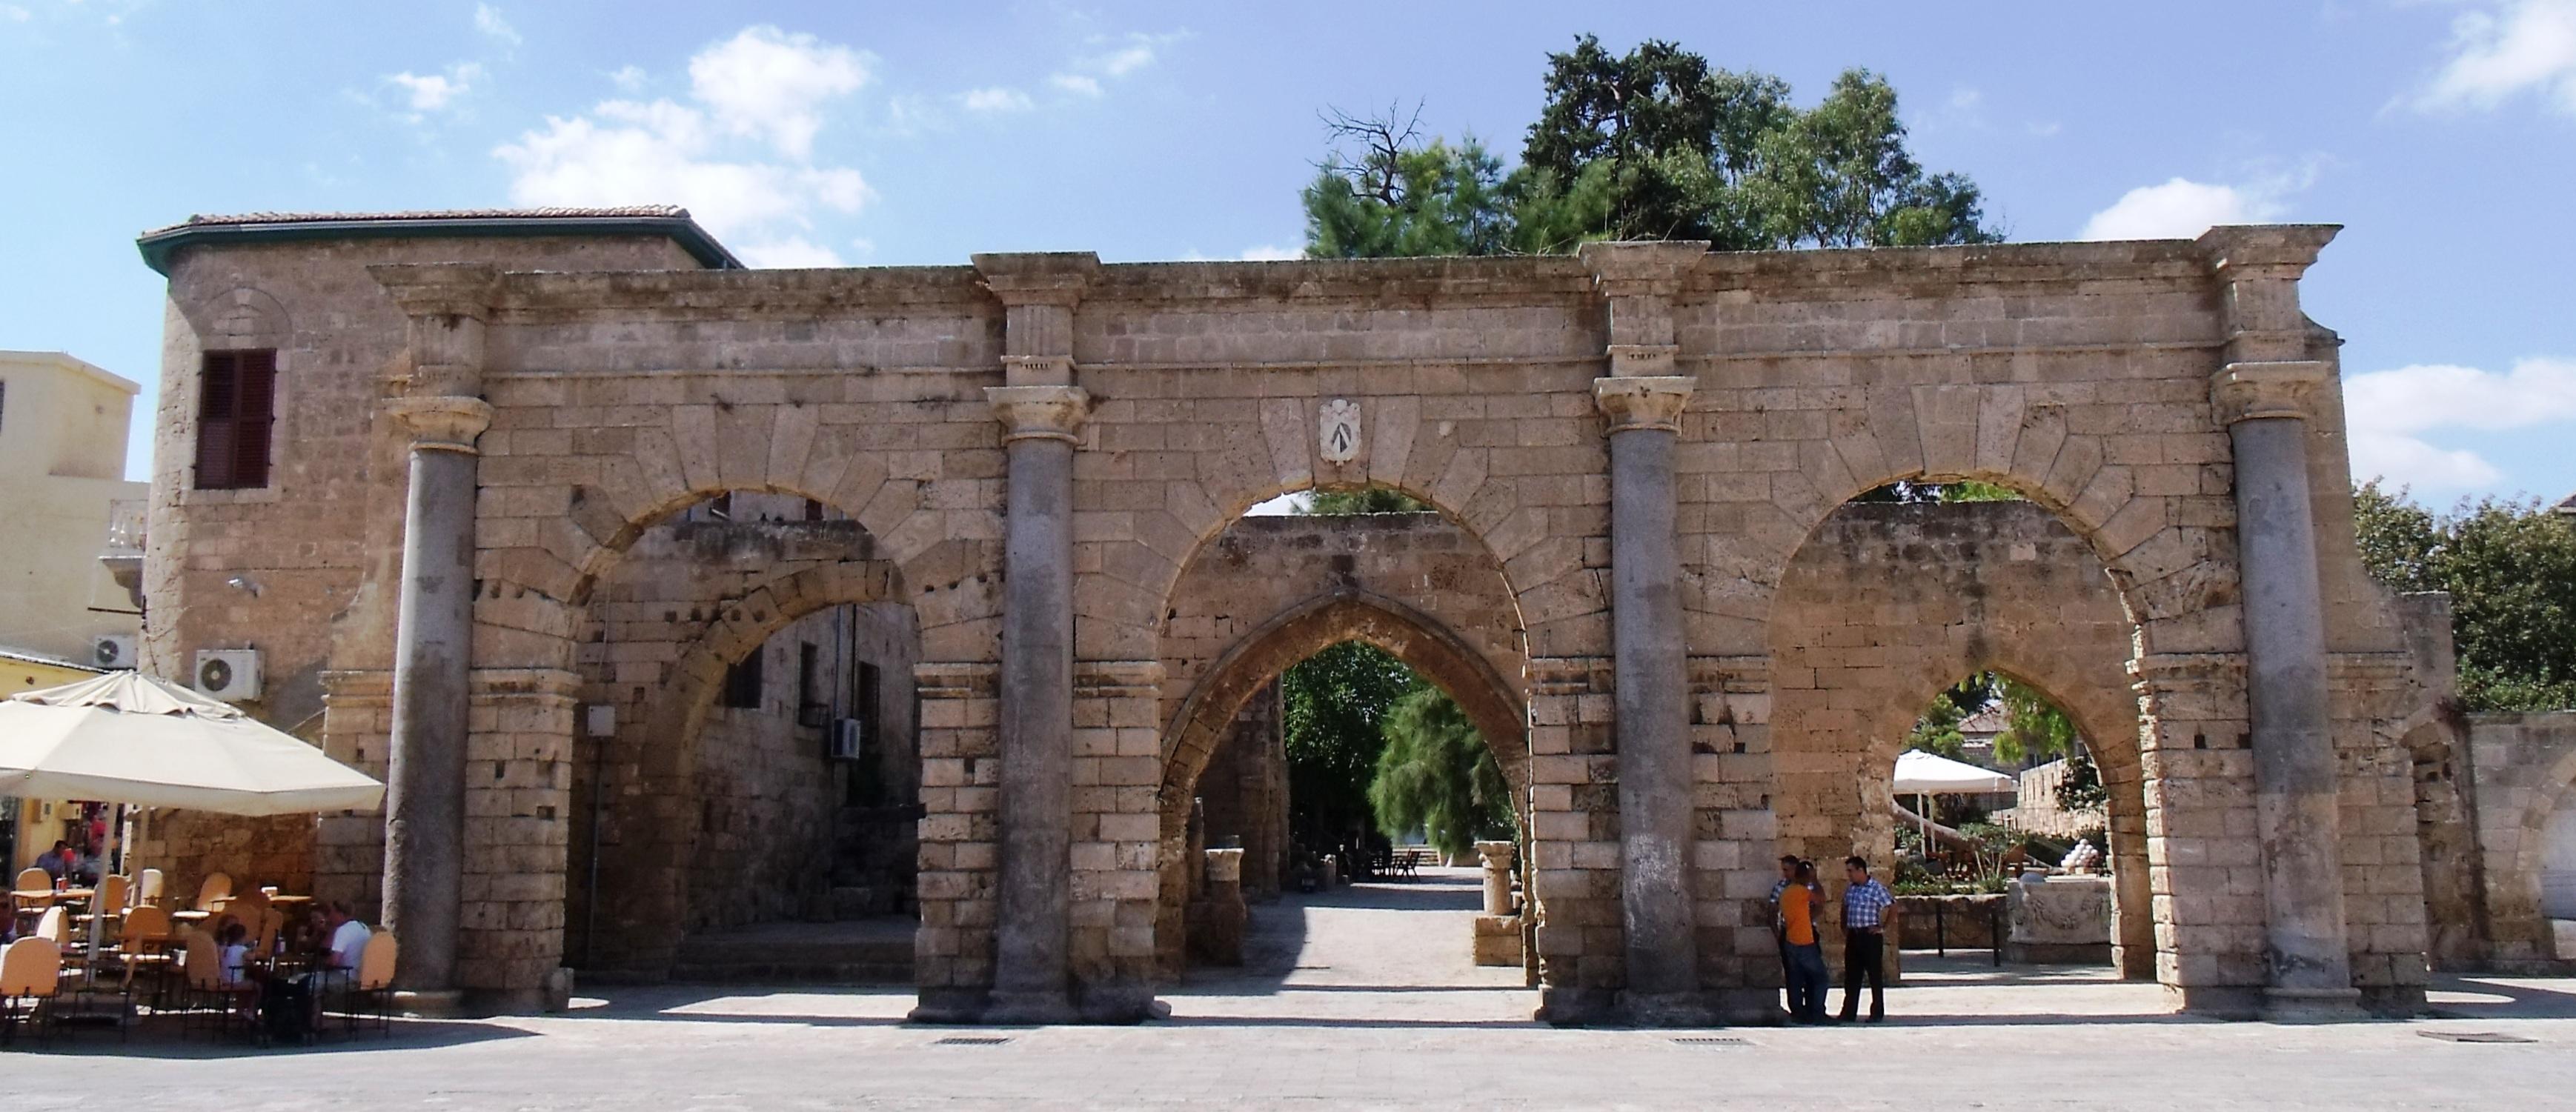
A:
(1807, 977)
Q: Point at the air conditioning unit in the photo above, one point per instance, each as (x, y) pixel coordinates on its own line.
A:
(112, 651)
(231, 675)
(849, 739)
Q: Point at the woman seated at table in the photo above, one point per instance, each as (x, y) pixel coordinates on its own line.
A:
(240, 981)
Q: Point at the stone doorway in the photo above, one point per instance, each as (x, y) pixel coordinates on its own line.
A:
(747, 801)
(1410, 592)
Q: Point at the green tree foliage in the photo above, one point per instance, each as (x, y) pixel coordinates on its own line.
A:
(2510, 568)
(1653, 144)
(1333, 707)
(1937, 730)
(1437, 776)
(2032, 724)
(1366, 500)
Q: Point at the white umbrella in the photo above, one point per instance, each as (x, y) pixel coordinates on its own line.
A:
(1921, 773)
(132, 740)
(125, 737)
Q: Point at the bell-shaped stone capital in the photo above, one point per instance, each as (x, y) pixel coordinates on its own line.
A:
(2253, 391)
(1633, 402)
(1495, 855)
(1039, 412)
(441, 422)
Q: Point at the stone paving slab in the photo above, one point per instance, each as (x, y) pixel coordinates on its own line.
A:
(1372, 1006)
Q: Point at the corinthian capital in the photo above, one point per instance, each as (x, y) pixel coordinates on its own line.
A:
(1635, 402)
(2253, 391)
(441, 422)
(1039, 412)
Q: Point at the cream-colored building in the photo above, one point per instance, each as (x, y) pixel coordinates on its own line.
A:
(62, 484)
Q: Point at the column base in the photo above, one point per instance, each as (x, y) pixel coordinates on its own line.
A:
(444, 1003)
(1030, 1008)
(948, 1006)
(2312, 1005)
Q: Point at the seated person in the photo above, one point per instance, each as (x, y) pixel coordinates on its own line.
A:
(58, 862)
(346, 939)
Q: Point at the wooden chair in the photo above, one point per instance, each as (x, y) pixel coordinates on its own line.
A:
(143, 951)
(206, 990)
(148, 887)
(40, 886)
(213, 891)
(371, 991)
(31, 971)
(32, 878)
(110, 899)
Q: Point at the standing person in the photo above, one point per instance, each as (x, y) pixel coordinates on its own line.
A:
(1779, 930)
(1865, 906)
(1807, 978)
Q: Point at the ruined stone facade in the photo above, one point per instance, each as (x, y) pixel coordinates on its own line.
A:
(1040, 451)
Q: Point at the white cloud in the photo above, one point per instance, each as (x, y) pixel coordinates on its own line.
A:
(434, 92)
(1134, 52)
(487, 19)
(771, 84)
(788, 252)
(628, 79)
(1076, 83)
(995, 99)
(746, 176)
(2389, 414)
(2180, 209)
(1271, 252)
(2527, 46)
(15, 13)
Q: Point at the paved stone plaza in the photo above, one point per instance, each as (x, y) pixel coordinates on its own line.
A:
(1365, 997)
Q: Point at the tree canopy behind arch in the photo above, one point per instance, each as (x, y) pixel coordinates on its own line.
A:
(2510, 568)
(1653, 144)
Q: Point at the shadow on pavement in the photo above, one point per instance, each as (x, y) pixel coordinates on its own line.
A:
(2479, 997)
(161, 1037)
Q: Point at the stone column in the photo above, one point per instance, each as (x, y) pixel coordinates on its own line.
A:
(1040, 409)
(1643, 402)
(2295, 781)
(2264, 393)
(1497, 859)
(433, 646)
(433, 650)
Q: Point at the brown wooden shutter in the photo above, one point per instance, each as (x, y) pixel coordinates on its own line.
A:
(254, 411)
(216, 390)
(236, 405)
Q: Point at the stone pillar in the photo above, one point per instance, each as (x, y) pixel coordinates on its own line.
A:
(2263, 394)
(1217, 914)
(433, 648)
(1497, 858)
(1643, 401)
(1040, 409)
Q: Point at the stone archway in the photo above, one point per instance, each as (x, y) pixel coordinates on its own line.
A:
(660, 631)
(1491, 702)
(1888, 604)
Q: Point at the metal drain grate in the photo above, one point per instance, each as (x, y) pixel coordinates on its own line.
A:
(1710, 1040)
(971, 1040)
(2474, 1037)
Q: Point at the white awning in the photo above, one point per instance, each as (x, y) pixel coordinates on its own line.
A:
(1921, 773)
(129, 738)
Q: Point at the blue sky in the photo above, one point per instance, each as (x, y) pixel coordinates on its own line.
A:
(2443, 135)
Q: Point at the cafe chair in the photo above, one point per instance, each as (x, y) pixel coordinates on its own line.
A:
(370, 994)
(31, 970)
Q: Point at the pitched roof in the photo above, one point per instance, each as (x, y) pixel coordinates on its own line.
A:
(160, 244)
(2566, 506)
(1989, 720)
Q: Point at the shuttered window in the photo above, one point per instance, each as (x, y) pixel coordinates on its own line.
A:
(236, 403)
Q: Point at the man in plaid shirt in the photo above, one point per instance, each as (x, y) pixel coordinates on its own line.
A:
(1866, 903)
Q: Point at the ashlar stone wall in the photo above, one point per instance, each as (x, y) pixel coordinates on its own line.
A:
(1148, 405)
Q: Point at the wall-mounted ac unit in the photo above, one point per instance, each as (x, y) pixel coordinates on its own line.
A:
(849, 739)
(112, 651)
(231, 675)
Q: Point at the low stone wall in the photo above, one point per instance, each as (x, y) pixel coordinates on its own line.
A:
(1958, 922)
